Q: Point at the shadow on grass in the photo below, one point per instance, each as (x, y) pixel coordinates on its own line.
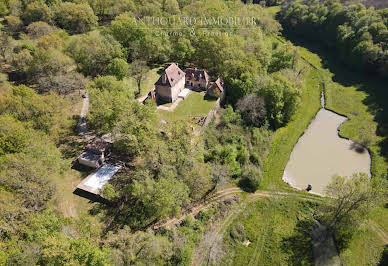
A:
(384, 257)
(299, 245)
(370, 83)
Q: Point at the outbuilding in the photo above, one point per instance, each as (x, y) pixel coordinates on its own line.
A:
(91, 187)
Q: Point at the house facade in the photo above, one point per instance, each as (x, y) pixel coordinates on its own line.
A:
(170, 84)
(197, 78)
(173, 81)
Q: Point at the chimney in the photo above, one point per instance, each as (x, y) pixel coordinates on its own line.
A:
(164, 79)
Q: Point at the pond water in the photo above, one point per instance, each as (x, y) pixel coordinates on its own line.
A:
(320, 153)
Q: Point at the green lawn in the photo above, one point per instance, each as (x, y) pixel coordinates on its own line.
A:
(148, 83)
(279, 231)
(365, 248)
(193, 106)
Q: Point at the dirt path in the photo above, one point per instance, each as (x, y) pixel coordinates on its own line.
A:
(82, 129)
(220, 196)
(382, 234)
(213, 238)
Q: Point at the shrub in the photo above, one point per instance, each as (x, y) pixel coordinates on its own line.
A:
(118, 67)
(252, 110)
(75, 18)
(250, 178)
(237, 232)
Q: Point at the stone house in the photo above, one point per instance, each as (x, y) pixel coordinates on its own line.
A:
(216, 89)
(170, 84)
(197, 78)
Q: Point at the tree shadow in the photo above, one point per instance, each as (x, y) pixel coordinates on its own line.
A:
(359, 148)
(299, 245)
(373, 85)
(384, 258)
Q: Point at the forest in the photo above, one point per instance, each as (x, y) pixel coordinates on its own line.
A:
(51, 51)
(358, 34)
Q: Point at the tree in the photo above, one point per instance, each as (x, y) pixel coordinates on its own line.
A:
(140, 43)
(138, 248)
(282, 98)
(251, 177)
(42, 112)
(134, 129)
(3, 8)
(109, 99)
(63, 83)
(5, 45)
(14, 23)
(139, 70)
(351, 199)
(170, 6)
(38, 29)
(252, 109)
(119, 68)
(37, 11)
(75, 18)
(38, 63)
(93, 52)
(281, 59)
(158, 199)
(182, 50)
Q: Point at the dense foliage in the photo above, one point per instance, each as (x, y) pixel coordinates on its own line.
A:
(51, 50)
(360, 35)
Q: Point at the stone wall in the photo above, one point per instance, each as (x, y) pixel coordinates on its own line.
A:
(213, 111)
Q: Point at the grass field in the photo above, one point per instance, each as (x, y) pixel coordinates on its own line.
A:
(148, 83)
(365, 248)
(193, 106)
(279, 231)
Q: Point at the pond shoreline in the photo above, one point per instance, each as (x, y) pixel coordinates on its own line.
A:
(287, 178)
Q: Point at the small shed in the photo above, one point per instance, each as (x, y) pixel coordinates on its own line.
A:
(95, 152)
(91, 186)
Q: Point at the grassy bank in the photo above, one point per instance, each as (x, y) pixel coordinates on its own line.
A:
(285, 138)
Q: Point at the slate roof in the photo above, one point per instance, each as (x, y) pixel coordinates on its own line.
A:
(196, 74)
(220, 84)
(172, 75)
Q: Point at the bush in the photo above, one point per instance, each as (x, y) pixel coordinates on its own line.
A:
(250, 178)
(119, 68)
(237, 232)
(252, 110)
(38, 29)
(14, 23)
(75, 18)
(37, 11)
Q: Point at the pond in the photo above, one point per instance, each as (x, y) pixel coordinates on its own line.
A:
(320, 153)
